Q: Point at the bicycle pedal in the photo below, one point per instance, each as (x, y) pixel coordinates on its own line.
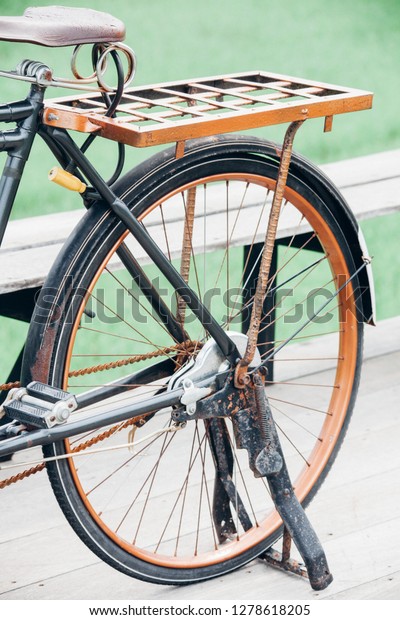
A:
(51, 394)
(32, 415)
(40, 405)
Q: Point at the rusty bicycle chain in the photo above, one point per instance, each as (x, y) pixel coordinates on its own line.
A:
(187, 346)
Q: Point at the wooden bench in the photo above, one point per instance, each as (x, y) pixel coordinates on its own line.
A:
(370, 184)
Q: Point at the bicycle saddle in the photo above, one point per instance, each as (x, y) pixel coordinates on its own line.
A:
(58, 26)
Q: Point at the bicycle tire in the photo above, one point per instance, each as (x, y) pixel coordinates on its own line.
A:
(53, 338)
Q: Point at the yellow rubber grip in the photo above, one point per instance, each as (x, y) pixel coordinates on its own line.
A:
(67, 180)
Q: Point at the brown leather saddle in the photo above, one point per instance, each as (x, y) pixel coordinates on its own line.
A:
(57, 26)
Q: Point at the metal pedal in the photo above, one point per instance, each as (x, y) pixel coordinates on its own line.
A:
(29, 414)
(51, 394)
(39, 405)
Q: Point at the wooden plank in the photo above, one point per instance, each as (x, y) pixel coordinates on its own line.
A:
(383, 588)
(26, 268)
(374, 190)
(379, 167)
(365, 169)
(359, 546)
(372, 200)
(40, 231)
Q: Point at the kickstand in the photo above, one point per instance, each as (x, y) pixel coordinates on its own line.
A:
(283, 561)
(297, 526)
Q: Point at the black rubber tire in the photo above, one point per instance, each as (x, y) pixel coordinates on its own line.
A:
(99, 230)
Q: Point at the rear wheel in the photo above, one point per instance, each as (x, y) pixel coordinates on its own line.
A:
(158, 509)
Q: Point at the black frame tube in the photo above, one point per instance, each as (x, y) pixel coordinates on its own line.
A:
(123, 213)
(18, 144)
(43, 437)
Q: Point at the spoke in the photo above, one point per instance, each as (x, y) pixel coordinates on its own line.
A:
(270, 291)
(112, 431)
(147, 340)
(155, 469)
(102, 355)
(288, 402)
(294, 446)
(293, 237)
(189, 206)
(135, 329)
(252, 245)
(184, 499)
(167, 245)
(203, 483)
(245, 284)
(229, 239)
(132, 296)
(103, 333)
(290, 310)
(317, 385)
(145, 481)
(295, 422)
(266, 486)
(165, 233)
(128, 460)
(315, 314)
(307, 337)
(177, 499)
(267, 314)
(307, 359)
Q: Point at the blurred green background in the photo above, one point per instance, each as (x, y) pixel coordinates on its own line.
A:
(353, 43)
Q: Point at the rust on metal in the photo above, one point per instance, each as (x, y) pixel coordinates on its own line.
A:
(266, 259)
(178, 111)
(180, 149)
(5, 387)
(328, 123)
(283, 561)
(187, 248)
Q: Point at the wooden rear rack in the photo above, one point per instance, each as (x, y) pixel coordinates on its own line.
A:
(178, 111)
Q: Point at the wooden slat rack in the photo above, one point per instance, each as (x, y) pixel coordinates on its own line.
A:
(178, 111)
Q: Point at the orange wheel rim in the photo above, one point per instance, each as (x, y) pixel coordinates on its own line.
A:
(330, 430)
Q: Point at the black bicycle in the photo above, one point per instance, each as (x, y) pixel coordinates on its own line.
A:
(194, 355)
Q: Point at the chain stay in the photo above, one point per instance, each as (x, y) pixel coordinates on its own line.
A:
(186, 346)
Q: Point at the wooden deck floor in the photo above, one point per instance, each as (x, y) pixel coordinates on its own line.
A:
(356, 514)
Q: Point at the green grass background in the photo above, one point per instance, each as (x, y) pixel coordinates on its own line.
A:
(353, 43)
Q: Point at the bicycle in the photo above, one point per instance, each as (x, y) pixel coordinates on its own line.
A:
(176, 473)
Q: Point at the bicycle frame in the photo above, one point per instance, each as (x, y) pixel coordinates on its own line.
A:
(221, 397)
(18, 143)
